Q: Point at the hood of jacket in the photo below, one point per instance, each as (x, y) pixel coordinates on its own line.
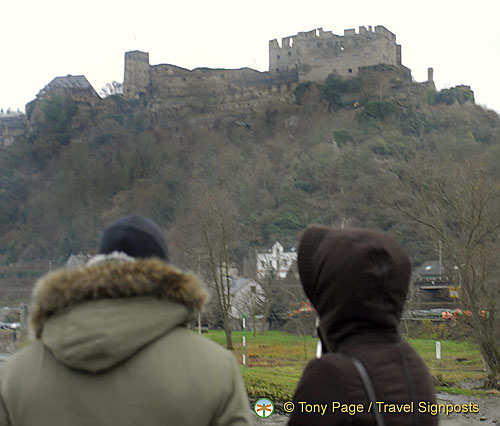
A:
(357, 280)
(92, 318)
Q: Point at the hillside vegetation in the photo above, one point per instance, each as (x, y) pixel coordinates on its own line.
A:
(324, 159)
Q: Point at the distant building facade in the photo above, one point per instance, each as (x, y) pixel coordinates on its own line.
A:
(277, 260)
(76, 85)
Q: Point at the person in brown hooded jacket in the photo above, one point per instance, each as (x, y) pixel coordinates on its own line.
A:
(357, 280)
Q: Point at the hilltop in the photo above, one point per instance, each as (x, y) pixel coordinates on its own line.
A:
(278, 151)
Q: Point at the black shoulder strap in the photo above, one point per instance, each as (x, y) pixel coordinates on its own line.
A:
(369, 389)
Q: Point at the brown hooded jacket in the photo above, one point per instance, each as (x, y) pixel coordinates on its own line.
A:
(357, 280)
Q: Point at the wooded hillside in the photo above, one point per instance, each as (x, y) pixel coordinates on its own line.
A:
(326, 158)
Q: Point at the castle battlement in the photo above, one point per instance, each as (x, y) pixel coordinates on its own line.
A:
(316, 54)
(318, 34)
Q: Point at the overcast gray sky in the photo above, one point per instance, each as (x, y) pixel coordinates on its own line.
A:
(43, 39)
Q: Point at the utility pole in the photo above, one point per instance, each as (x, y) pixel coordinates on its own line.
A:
(440, 260)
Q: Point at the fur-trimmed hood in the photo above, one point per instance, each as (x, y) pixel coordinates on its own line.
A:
(97, 315)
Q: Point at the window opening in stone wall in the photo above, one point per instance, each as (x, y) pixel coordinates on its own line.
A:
(317, 33)
(289, 53)
(291, 42)
(319, 44)
(350, 70)
(342, 47)
(277, 70)
(277, 56)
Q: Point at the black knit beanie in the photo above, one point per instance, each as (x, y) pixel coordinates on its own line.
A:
(135, 235)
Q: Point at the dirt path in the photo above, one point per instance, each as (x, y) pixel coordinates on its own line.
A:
(489, 410)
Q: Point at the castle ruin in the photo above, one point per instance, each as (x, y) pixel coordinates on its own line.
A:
(307, 56)
(370, 54)
(317, 53)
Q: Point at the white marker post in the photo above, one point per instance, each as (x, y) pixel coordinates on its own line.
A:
(243, 317)
(438, 352)
(319, 349)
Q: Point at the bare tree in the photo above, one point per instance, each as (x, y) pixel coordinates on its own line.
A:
(110, 89)
(208, 233)
(251, 299)
(303, 317)
(458, 204)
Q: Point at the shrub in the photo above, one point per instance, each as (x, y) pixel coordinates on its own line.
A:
(138, 121)
(59, 112)
(378, 110)
(341, 136)
(334, 87)
(415, 123)
(430, 96)
(301, 90)
(303, 185)
(380, 146)
(460, 94)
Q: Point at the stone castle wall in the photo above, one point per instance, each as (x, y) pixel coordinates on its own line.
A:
(381, 79)
(316, 54)
(308, 56)
(171, 82)
(228, 103)
(181, 91)
(11, 127)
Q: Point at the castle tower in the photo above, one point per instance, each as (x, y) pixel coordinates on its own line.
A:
(137, 79)
(430, 75)
(317, 53)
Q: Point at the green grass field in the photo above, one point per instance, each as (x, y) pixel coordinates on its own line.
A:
(275, 361)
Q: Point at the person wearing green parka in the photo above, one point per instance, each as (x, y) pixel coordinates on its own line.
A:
(111, 346)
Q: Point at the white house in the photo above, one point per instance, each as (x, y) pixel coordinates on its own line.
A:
(277, 260)
(246, 296)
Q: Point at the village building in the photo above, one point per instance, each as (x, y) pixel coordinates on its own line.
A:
(277, 261)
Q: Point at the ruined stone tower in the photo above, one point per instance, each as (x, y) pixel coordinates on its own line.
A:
(137, 79)
(317, 53)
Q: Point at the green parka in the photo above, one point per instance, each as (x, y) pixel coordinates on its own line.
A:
(111, 348)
